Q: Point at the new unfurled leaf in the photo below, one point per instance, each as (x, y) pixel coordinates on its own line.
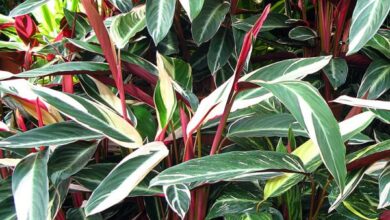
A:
(164, 95)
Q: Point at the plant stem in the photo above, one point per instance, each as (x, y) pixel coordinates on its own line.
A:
(322, 197)
(312, 196)
(222, 122)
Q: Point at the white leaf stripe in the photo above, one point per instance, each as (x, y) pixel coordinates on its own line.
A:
(159, 18)
(125, 177)
(384, 188)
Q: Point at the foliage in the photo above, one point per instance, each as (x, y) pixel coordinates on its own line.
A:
(194, 109)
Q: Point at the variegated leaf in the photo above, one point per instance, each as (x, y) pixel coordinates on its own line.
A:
(376, 80)
(384, 188)
(214, 104)
(373, 104)
(125, 26)
(164, 95)
(310, 155)
(312, 113)
(192, 8)
(159, 18)
(228, 166)
(54, 134)
(30, 187)
(367, 18)
(93, 116)
(125, 177)
(207, 23)
(178, 197)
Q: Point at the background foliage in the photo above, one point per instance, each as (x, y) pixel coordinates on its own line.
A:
(164, 109)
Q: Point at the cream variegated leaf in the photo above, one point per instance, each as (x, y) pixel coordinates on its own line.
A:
(125, 177)
(93, 116)
(310, 155)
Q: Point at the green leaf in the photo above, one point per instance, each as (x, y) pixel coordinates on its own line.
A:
(81, 25)
(125, 177)
(7, 207)
(93, 116)
(376, 80)
(57, 196)
(384, 188)
(336, 71)
(30, 186)
(310, 155)
(64, 68)
(125, 26)
(240, 197)
(207, 23)
(164, 94)
(26, 7)
(272, 125)
(380, 43)
(302, 33)
(220, 49)
(273, 21)
(178, 197)
(123, 5)
(79, 214)
(159, 18)
(312, 112)
(67, 160)
(54, 134)
(227, 166)
(192, 8)
(367, 18)
(127, 57)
